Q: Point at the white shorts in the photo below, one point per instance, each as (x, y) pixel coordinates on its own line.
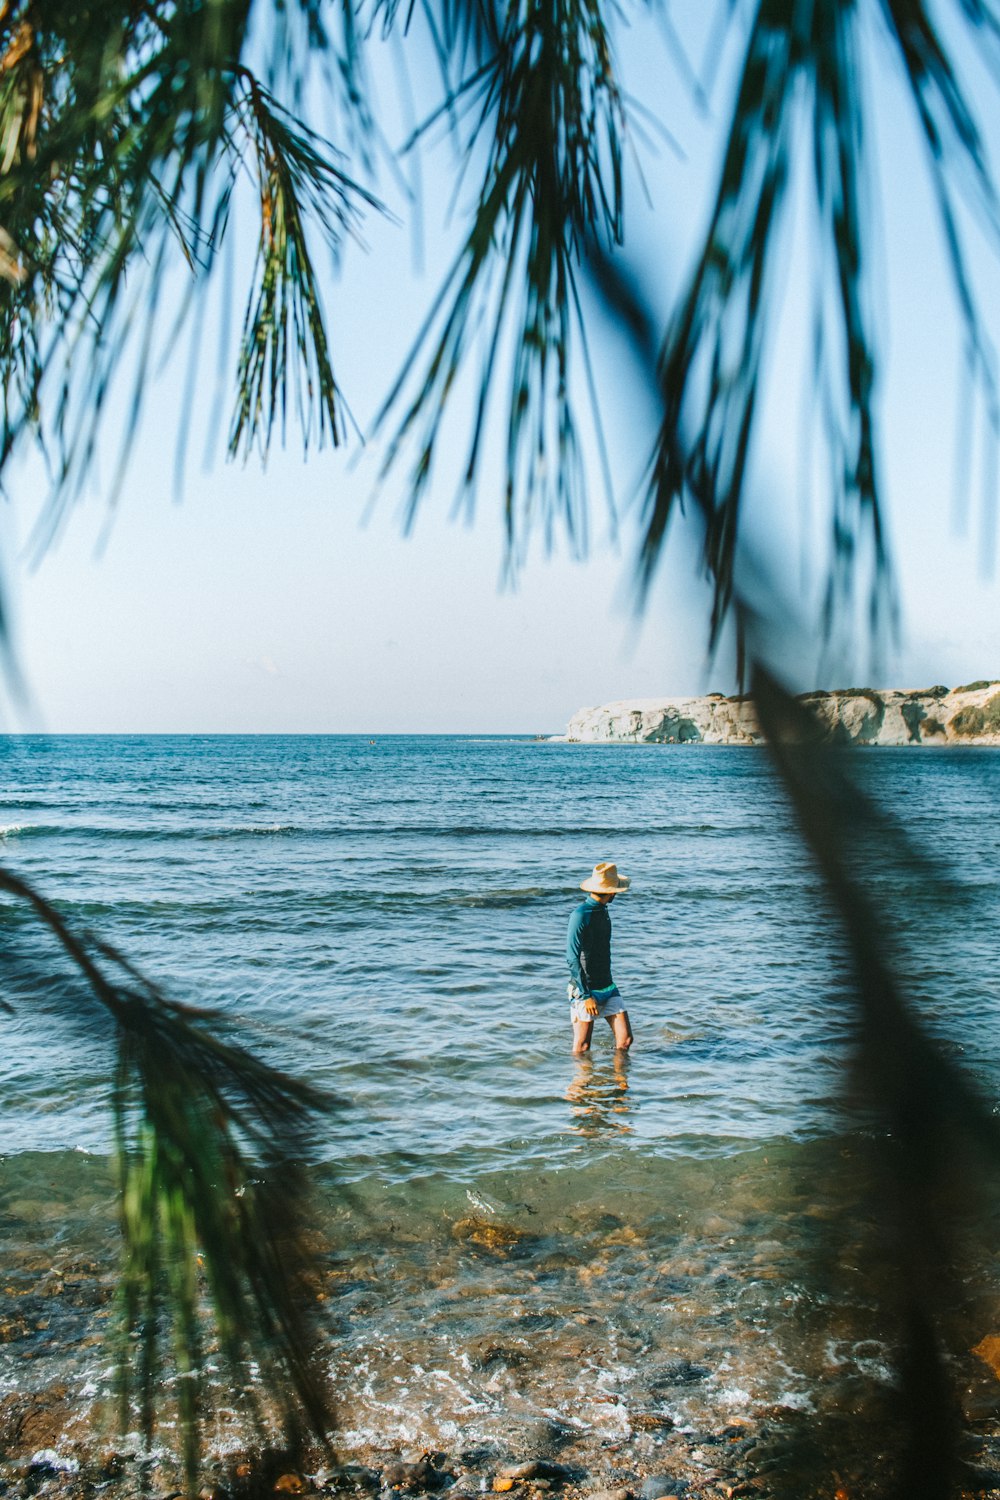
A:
(609, 1003)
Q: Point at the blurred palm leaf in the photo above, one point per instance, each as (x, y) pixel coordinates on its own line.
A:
(284, 333)
(123, 133)
(933, 1136)
(212, 1149)
(543, 93)
(804, 62)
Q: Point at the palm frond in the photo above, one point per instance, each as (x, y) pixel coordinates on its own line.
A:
(284, 334)
(546, 95)
(121, 132)
(712, 358)
(212, 1150)
(805, 61)
(939, 1142)
(955, 149)
(928, 1124)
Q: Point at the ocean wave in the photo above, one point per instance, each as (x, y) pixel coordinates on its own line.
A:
(114, 833)
(212, 832)
(252, 831)
(500, 900)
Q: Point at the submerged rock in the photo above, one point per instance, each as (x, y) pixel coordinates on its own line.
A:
(484, 1232)
(537, 1468)
(988, 1350)
(659, 1485)
(421, 1477)
(650, 1421)
(289, 1484)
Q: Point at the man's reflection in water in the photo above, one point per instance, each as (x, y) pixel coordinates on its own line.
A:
(598, 1094)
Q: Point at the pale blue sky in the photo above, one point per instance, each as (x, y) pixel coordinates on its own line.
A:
(262, 603)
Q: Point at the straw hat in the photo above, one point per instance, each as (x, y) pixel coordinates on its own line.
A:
(605, 880)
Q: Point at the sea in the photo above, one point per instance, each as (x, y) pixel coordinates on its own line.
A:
(606, 1247)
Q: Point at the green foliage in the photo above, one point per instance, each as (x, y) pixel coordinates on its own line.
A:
(974, 687)
(284, 334)
(977, 719)
(128, 137)
(124, 132)
(803, 84)
(543, 92)
(212, 1151)
(931, 726)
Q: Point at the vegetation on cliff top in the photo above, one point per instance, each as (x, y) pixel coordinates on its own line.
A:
(978, 718)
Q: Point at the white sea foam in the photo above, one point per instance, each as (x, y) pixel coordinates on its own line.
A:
(795, 1401)
(63, 1463)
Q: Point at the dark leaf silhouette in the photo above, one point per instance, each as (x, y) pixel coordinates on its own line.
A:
(212, 1151)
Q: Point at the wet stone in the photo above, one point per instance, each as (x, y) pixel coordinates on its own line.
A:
(547, 1436)
(421, 1477)
(475, 1458)
(659, 1485)
(538, 1469)
(487, 1353)
(650, 1421)
(974, 1477)
(32, 1423)
(482, 1232)
(981, 1403)
(353, 1478)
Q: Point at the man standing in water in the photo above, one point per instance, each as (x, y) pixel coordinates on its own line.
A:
(592, 991)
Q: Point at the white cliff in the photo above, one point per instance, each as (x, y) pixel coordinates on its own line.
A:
(967, 715)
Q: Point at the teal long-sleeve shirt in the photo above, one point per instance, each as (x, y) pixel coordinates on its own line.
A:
(588, 946)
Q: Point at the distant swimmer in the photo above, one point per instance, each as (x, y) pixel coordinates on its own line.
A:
(592, 991)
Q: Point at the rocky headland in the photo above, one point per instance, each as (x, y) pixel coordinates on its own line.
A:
(968, 715)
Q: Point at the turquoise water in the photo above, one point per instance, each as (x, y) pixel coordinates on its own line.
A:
(388, 917)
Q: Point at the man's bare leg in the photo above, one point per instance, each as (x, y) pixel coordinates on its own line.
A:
(582, 1032)
(623, 1032)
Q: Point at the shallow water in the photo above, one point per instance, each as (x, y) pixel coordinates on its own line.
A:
(601, 1243)
(609, 1298)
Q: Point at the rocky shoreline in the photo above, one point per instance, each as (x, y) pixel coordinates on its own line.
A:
(743, 1458)
(56, 1446)
(837, 1456)
(682, 1349)
(967, 715)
